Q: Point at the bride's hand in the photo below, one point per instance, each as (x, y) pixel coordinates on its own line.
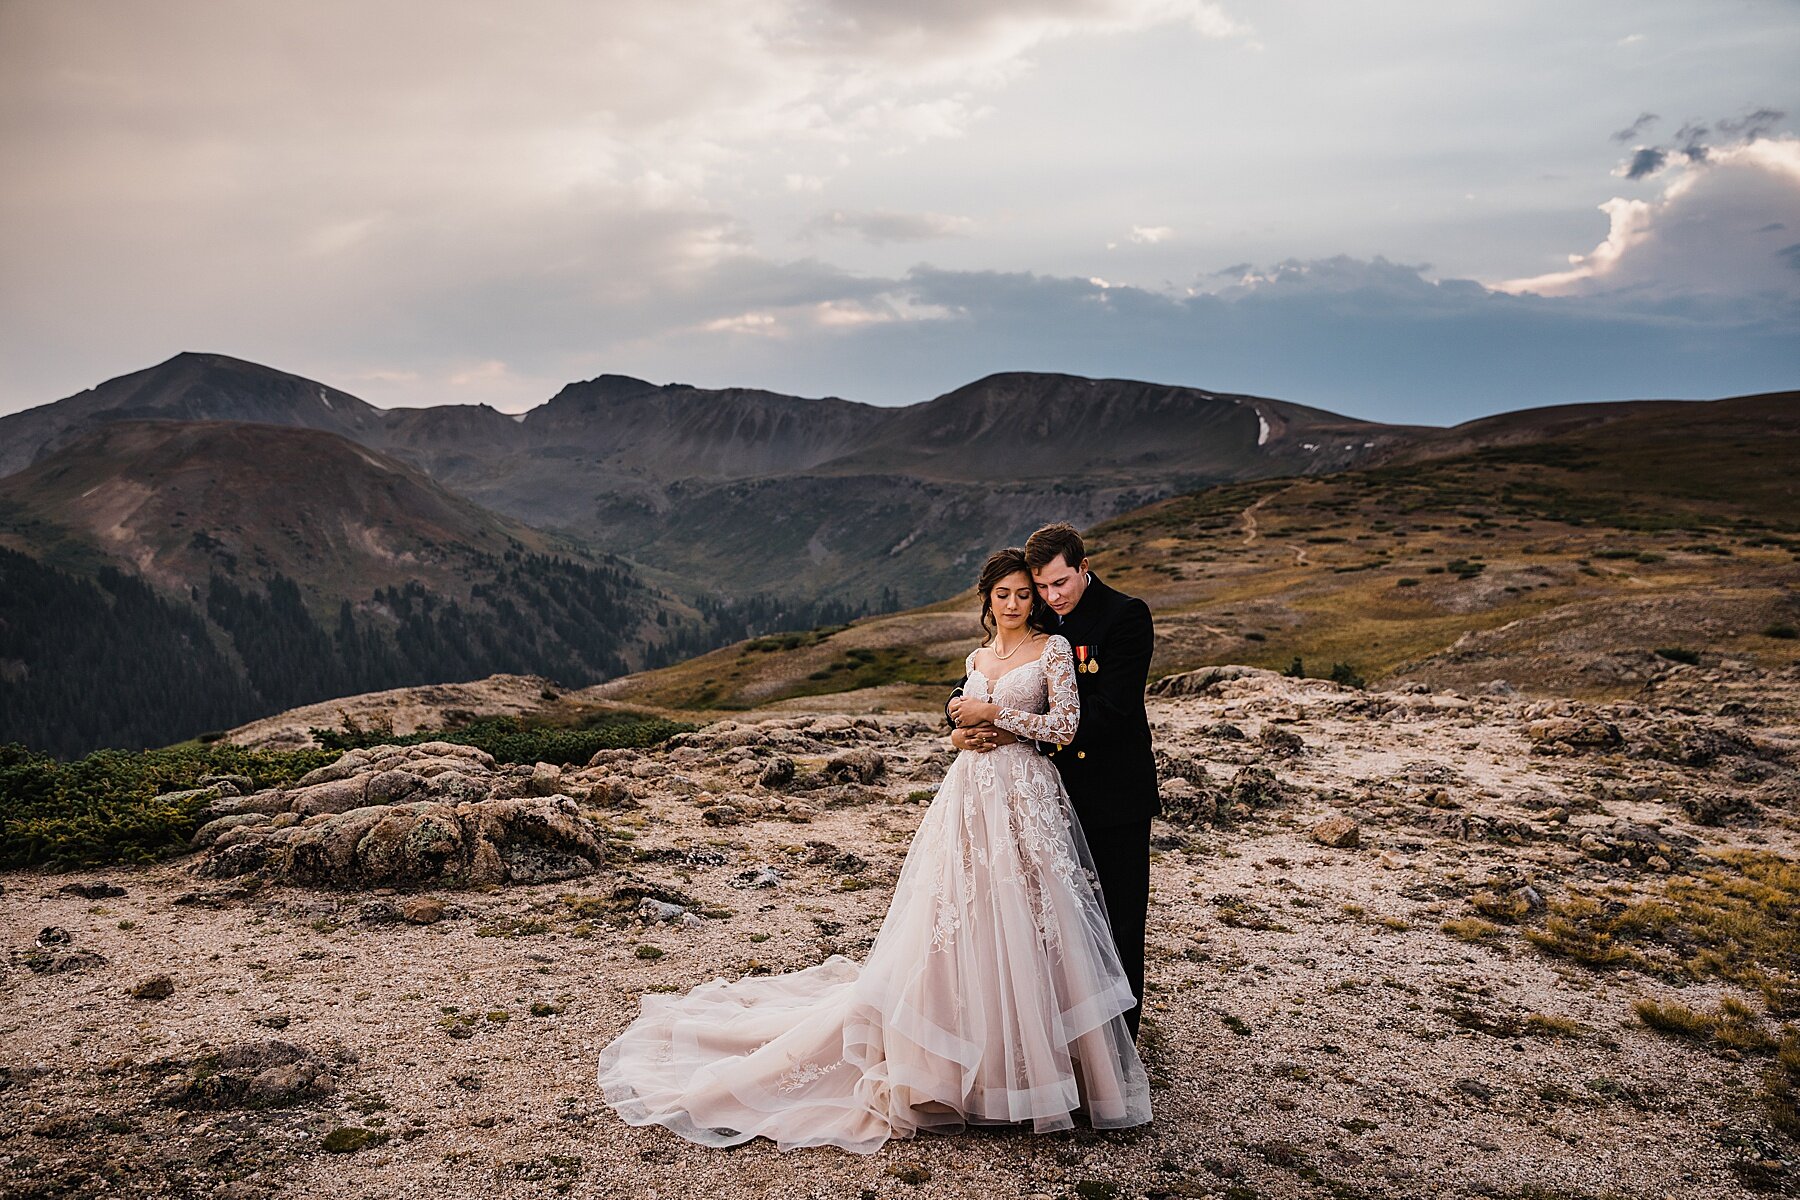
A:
(966, 710)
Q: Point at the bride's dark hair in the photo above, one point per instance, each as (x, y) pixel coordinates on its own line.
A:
(1000, 564)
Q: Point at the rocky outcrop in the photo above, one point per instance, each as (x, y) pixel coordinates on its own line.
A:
(403, 815)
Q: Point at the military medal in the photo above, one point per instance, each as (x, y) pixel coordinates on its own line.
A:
(1084, 665)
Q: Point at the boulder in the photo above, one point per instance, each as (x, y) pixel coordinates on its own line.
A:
(422, 910)
(210, 833)
(1279, 741)
(95, 889)
(154, 987)
(1204, 680)
(778, 772)
(329, 796)
(394, 786)
(1339, 832)
(1573, 733)
(855, 766)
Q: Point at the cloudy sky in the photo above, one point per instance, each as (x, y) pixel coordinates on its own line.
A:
(1405, 210)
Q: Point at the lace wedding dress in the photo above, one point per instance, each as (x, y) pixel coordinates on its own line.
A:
(992, 993)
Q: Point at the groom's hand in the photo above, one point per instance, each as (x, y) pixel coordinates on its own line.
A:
(981, 738)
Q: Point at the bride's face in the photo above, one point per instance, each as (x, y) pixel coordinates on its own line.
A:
(1010, 601)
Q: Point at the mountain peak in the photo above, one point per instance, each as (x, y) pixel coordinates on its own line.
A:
(190, 386)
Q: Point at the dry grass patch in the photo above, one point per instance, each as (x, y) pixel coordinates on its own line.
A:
(1733, 1025)
(1781, 1085)
(1546, 1025)
(1738, 921)
(1470, 929)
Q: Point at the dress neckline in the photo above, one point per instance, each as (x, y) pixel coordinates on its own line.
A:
(994, 680)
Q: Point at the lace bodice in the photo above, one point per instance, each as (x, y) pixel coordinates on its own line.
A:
(1038, 700)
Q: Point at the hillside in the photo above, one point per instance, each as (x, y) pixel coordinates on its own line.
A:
(286, 565)
(1562, 565)
(180, 500)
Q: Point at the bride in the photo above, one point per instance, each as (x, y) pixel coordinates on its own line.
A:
(992, 993)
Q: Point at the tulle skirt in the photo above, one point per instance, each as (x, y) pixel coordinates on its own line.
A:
(992, 994)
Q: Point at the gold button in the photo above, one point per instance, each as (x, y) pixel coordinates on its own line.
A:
(1081, 754)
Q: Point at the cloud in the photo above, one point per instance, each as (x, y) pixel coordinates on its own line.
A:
(1752, 125)
(1369, 337)
(882, 227)
(1634, 130)
(1151, 234)
(1715, 230)
(414, 184)
(1645, 161)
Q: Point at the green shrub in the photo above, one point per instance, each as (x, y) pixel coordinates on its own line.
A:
(1780, 629)
(1346, 674)
(109, 806)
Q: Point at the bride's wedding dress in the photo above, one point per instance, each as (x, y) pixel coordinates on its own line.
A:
(992, 993)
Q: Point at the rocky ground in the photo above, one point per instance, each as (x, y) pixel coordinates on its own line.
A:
(394, 979)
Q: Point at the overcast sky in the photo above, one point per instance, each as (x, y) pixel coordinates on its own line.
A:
(1406, 210)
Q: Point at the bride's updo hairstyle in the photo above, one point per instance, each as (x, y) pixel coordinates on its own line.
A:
(1000, 564)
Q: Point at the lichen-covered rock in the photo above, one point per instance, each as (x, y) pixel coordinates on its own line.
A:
(248, 1075)
(210, 833)
(1339, 832)
(1688, 743)
(611, 792)
(1204, 680)
(330, 796)
(267, 801)
(1569, 734)
(855, 766)
(1256, 787)
(1184, 803)
(546, 779)
(400, 815)
(394, 786)
(778, 772)
(240, 858)
(154, 987)
(1280, 741)
(1712, 808)
(529, 840)
(454, 787)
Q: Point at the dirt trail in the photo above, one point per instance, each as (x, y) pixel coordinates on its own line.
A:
(1248, 518)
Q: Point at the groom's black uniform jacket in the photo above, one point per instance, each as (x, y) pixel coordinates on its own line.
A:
(1109, 768)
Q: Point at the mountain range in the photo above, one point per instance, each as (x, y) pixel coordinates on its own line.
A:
(323, 543)
(746, 491)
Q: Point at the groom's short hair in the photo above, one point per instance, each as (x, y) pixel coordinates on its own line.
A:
(1051, 542)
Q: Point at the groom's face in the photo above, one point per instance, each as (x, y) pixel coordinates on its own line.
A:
(1061, 584)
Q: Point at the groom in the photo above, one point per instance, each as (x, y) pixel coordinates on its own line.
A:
(1108, 769)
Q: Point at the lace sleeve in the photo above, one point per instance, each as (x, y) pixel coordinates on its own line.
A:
(1059, 724)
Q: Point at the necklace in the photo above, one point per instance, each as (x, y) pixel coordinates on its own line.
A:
(1009, 653)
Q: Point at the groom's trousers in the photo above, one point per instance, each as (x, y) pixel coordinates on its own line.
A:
(1122, 860)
